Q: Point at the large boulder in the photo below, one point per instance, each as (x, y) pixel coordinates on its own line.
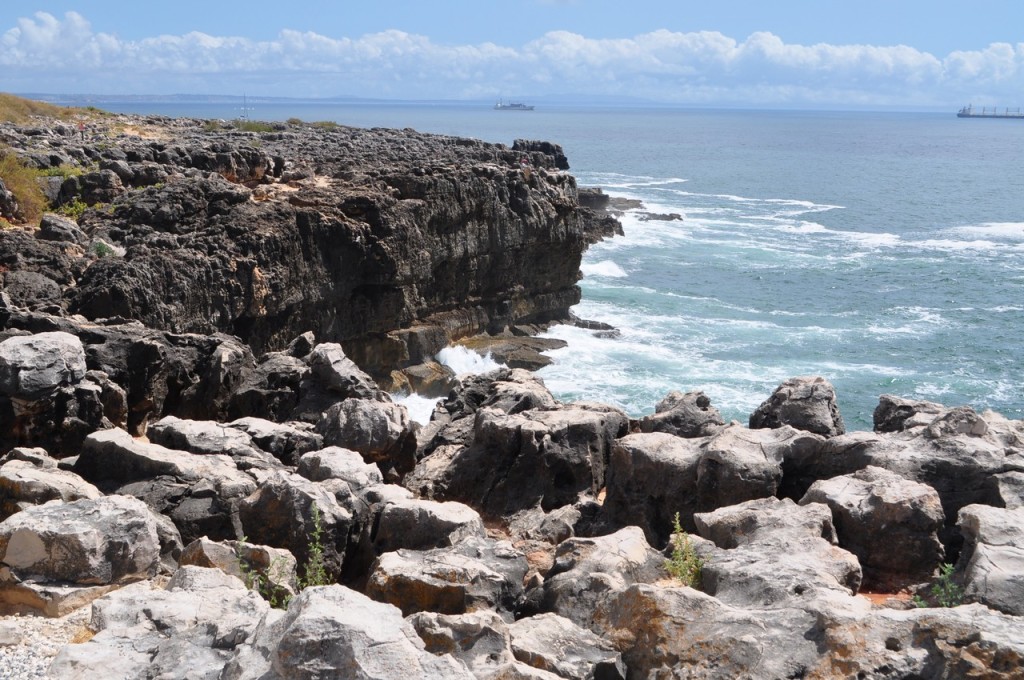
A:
(478, 639)
(684, 415)
(285, 441)
(335, 462)
(334, 632)
(208, 437)
(34, 365)
(190, 629)
(418, 524)
(806, 403)
(651, 478)
(106, 540)
(556, 644)
(890, 523)
(380, 431)
(24, 484)
(992, 562)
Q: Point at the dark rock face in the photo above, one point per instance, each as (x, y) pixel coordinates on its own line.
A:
(804, 403)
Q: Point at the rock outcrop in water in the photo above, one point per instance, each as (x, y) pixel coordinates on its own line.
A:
(514, 536)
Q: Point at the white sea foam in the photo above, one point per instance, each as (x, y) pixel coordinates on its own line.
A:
(419, 407)
(1010, 231)
(605, 268)
(465, 361)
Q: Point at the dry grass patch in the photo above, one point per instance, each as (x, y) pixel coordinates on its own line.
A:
(82, 635)
(22, 181)
(18, 109)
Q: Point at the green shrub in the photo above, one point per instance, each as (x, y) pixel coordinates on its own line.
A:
(253, 126)
(259, 580)
(684, 565)
(945, 592)
(22, 181)
(212, 125)
(73, 209)
(294, 121)
(325, 124)
(101, 249)
(315, 571)
(62, 170)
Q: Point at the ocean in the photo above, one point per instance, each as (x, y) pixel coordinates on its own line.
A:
(883, 251)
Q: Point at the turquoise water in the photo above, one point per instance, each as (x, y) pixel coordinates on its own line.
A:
(884, 251)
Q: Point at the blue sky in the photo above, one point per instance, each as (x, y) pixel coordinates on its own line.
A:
(832, 53)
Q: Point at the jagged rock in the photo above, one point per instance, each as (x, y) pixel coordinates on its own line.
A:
(272, 390)
(24, 484)
(53, 227)
(517, 461)
(335, 462)
(992, 561)
(280, 514)
(478, 639)
(417, 524)
(651, 477)
(270, 571)
(588, 571)
(890, 523)
(1009, 489)
(112, 539)
(189, 629)
(807, 403)
(475, 574)
(339, 374)
(285, 441)
(36, 456)
(554, 643)
(381, 432)
(684, 415)
(895, 414)
(772, 553)
(33, 365)
(549, 527)
(334, 632)
(207, 437)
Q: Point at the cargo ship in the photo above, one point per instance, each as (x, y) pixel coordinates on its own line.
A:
(512, 106)
(988, 112)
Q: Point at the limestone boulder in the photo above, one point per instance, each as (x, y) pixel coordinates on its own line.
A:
(890, 523)
(805, 403)
(272, 572)
(417, 524)
(339, 374)
(895, 414)
(774, 553)
(993, 557)
(684, 415)
(24, 484)
(334, 632)
(587, 571)
(651, 477)
(33, 365)
(479, 639)
(189, 629)
(1009, 489)
(335, 462)
(272, 390)
(476, 574)
(556, 644)
(206, 437)
(284, 441)
(99, 541)
(380, 431)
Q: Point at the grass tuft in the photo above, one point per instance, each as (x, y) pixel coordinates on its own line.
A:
(22, 181)
(684, 565)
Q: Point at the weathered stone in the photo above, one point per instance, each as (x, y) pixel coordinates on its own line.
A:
(476, 574)
(54, 227)
(684, 415)
(381, 432)
(554, 643)
(270, 571)
(992, 561)
(478, 639)
(335, 462)
(651, 477)
(420, 525)
(207, 437)
(890, 523)
(895, 414)
(334, 632)
(285, 441)
(1009, 489)
(91, 542)
(588, 571)
(806, 403)
(33, 365)
(339, 374)
(23, 484)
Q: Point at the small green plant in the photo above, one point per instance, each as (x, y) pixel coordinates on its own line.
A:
(62, 170)
(294, 121)
(253, 126)
(212, 125)
(22, 181)
(945, 592)
(684, 565)
(316, 570)
(101, 249)
(325, 124)
(73, 209)
(259, 580)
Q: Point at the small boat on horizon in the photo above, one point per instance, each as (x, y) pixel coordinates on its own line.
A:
(512, 106)
(970, 112)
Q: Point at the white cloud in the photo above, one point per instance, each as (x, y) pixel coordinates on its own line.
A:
(44, 53)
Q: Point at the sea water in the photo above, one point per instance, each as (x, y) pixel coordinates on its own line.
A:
(883, 251)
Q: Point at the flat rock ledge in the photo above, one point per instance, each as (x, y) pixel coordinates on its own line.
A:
(202, 473)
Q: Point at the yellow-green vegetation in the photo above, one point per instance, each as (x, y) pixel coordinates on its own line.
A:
(316, 571)
(253, 126)
(73, 209)
(18, 110)
(945, 592)
(684, 565)
(22, 181)
(62, 170)
(294, 121)
(212, 126)
(261, 580)
(325, 124)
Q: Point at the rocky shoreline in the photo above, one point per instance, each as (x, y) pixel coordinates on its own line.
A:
(203, 474)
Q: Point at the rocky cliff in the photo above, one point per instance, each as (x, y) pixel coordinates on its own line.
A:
(391, 242)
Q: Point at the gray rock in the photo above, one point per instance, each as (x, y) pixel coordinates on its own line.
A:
(339, 374)
(381, 432)
(806, 403)
(270, 571)
(335, 462)
(478, 639)
(473, 575)
(993, 557)
(895, 414)
(588, 571)
(651, 477)
(556, 644)
(1009, 489)
(23, 484)
(334, 632)
(285, 441)
(207, 437)
(54, 227)
(95, 541)
(421, 524)
(684, 415)
(32, 365)
(890, 523)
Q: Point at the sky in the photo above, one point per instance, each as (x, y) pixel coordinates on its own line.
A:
(799, 53)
